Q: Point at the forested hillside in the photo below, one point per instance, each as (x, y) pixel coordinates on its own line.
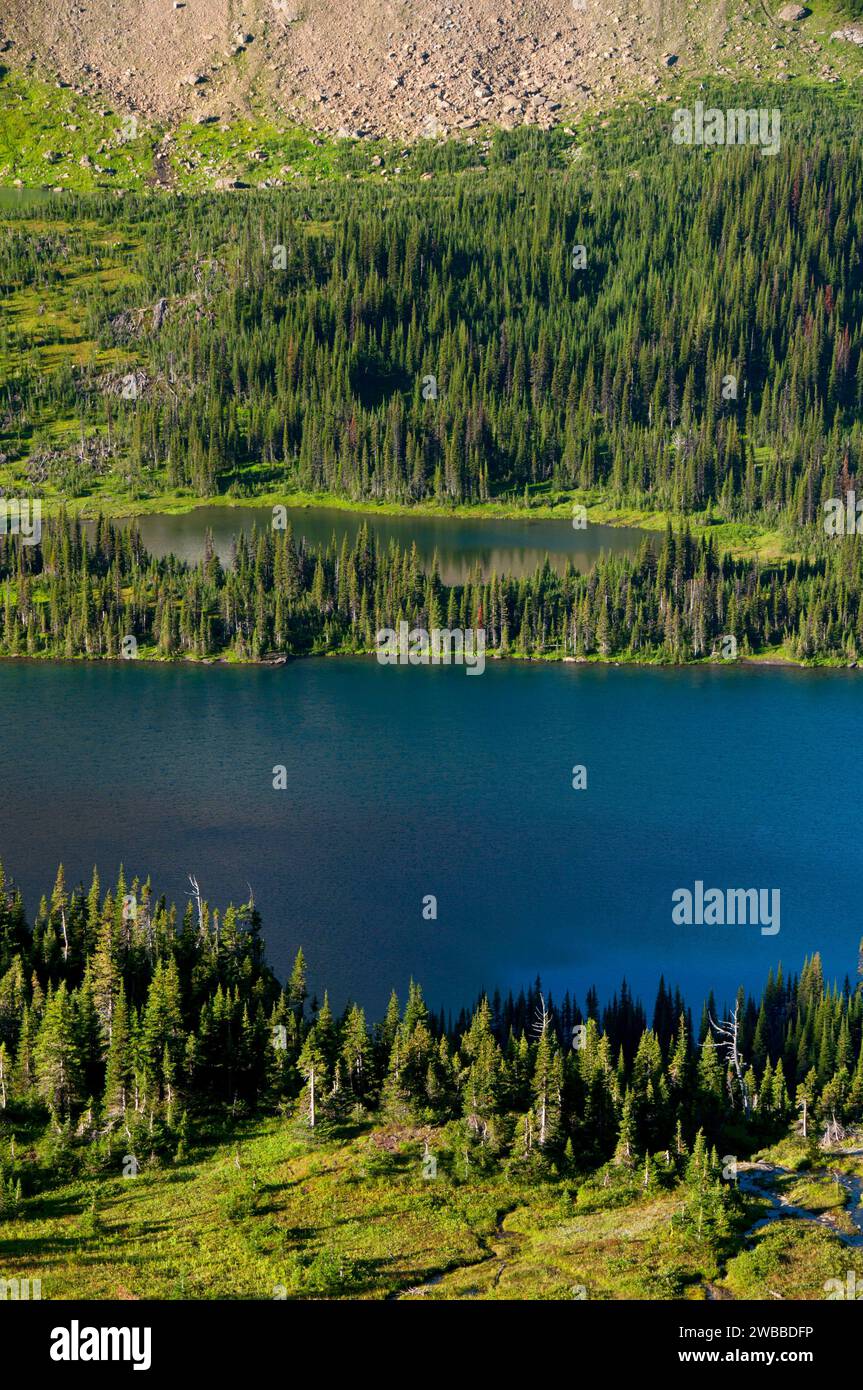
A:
(74, 597)
(132, 1033)
(702, 349)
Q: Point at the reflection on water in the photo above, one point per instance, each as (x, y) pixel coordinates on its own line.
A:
(503, 546)
(13, 198)
(404, 781)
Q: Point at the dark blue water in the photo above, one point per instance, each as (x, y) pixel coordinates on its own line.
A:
(404, 782)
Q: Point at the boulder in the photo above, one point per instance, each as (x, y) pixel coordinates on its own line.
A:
(852, 33)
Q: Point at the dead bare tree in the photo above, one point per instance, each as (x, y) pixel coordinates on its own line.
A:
(541, 1018)
(727, 1044)
(541, 1025)
(834, 1133)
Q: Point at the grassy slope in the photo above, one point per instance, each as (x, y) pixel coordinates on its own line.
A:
(270, 1213)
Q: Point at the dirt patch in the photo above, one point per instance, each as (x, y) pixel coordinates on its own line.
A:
(375, 67)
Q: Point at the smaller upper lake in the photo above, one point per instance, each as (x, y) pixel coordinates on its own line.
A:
(506, 546)
(12, 199)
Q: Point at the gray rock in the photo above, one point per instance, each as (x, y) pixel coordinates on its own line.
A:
(850, 34)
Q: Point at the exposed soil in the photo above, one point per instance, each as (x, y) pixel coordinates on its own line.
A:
(374, 66)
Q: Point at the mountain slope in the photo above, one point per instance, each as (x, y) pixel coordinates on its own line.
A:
(387, 67)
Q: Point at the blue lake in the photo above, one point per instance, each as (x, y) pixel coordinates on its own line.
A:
(404, 782)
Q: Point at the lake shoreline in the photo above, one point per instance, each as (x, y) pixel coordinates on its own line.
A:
(768, 660)
(741, 539)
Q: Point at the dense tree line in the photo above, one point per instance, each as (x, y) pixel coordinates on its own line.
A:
(123, 1021)
(72, 595)
(445, 343)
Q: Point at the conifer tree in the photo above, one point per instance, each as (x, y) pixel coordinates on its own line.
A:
(56, 1054)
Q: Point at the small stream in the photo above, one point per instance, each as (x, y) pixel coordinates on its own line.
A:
(758, 1181)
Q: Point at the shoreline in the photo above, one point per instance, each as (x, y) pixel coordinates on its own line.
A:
(767, 660)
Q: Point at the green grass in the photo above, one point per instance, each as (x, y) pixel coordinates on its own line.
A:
(270, 1211)
(309, 1218)
(791, 1259)
(274, 1213)
(37, 118)
(548, 1249)
(47, 320)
